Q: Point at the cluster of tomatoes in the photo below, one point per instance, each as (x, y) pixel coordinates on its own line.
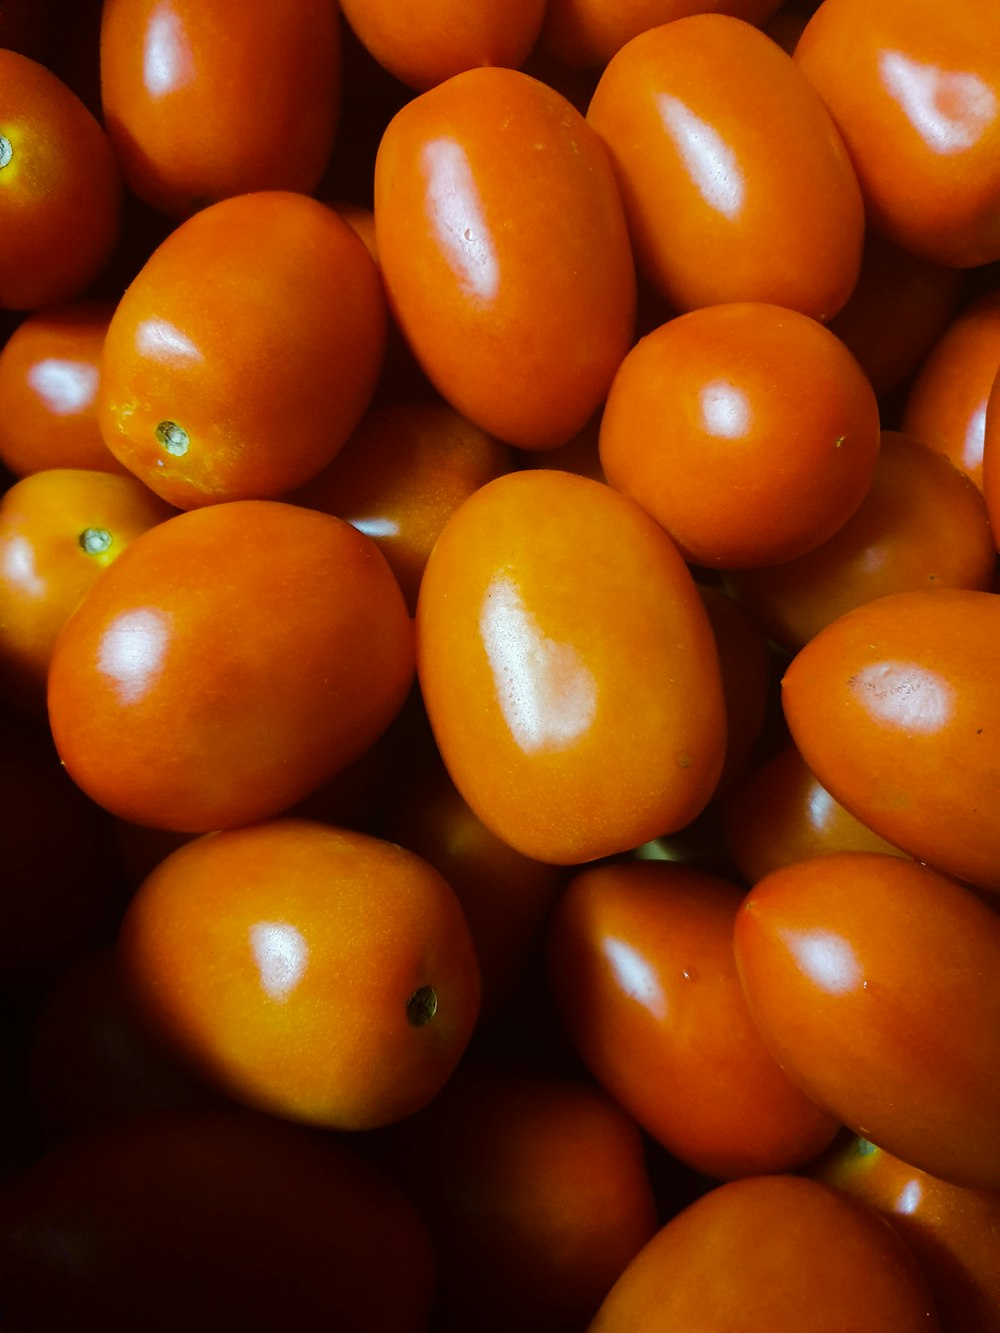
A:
(500, 666)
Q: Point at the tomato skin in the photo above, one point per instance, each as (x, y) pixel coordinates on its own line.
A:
(774, 1252)
(172, 708)
(206, 102)
(870, 979)
(281, 963)
(735, 182)
(991, 456)
(237, 353)
(472, 180)
(542, 664)
(915, 92)
(895, 708)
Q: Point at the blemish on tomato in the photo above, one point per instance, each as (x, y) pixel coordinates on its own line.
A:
(173, 438)
(421, 1006)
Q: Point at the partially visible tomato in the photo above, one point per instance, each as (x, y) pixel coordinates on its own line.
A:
(745, 671)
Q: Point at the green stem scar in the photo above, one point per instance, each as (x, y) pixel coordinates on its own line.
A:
(6, 151)
(421, 1006)
(95, 541)
(173, 438)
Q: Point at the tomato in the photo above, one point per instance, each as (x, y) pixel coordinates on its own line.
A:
(319, 974)
(552, 616)
(174, 703)
(915, 92)
(745, 667)
(206, 102)
(208, 1220)
(245, 351)
(472, 181)
(774, 1252)
(59, 529)
(895, 708)
(60, 189)
(641, 965)
(922, 525)
(991, 455)
(870, 979)
(537, 1195)
(735, 182)
(748, 431)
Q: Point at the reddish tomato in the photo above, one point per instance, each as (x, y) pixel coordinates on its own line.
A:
(895, 707)
(641, 964)
(745, 667)
(991, 455)
(59, 530)
(472, 181)
(748, 431)
(209, 1220)
(50, 369)
(871, 979)
(60, 192)
(774, 1252)
(735, 182)
(245, 351)
(915, 91)
(552, 615)
(537, 1195)
(175, 703)
(954, 1232)
(923, 524)
(314, 973)
(206, 102)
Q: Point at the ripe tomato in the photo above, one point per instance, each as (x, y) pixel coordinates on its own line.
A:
(206, 102)
(735, 182)
(472, 181)
(895, 707)
(991, 456)
(244, 353)
(60, 190)
(569, 668)
(745, 670)
(318, 974)
(175, 702)
(871, 980)
(748, 431)
(915, 92)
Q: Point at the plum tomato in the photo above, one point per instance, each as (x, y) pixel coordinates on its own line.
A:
(872, 982)
(229, 661)
(473, 180)
(735, 182)
(748, 431)
(244, 352)
(315, 973)
(568, 667)
(895, 707)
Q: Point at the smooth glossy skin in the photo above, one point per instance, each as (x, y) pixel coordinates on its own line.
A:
(60, 189)
(781, 813)
(946, 404)
(735, 182)
(575, 698)
(954, 1232)
(204, 102)
(59, 530)
(747, 431)
(315, 973)
(870, 979)
(895, 708)
(537, 1195)
(922, 525)
(472, 182)
(775, 1252)
(640, 960)
(174, 704)
(209, 1220)
(915, 91)
(244, 353)
(991, 456)
(50, 369)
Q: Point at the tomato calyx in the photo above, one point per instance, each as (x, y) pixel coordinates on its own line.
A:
(95, 541)
(173, 438)
(6, 151)
(421, 1006)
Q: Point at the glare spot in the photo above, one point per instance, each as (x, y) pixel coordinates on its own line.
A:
(635, 976)
(132, 652)
(160, 340)
(167, 62)
(909, 1197)
(457, 215)
(826, 959)
(903, 695)
(819, 806)
(376, 527)
(725, 410)
(19, 567)
(281, 954)
(709, 160)
(64, 386)
(547, 694)
(975, 439)
(949, 109)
